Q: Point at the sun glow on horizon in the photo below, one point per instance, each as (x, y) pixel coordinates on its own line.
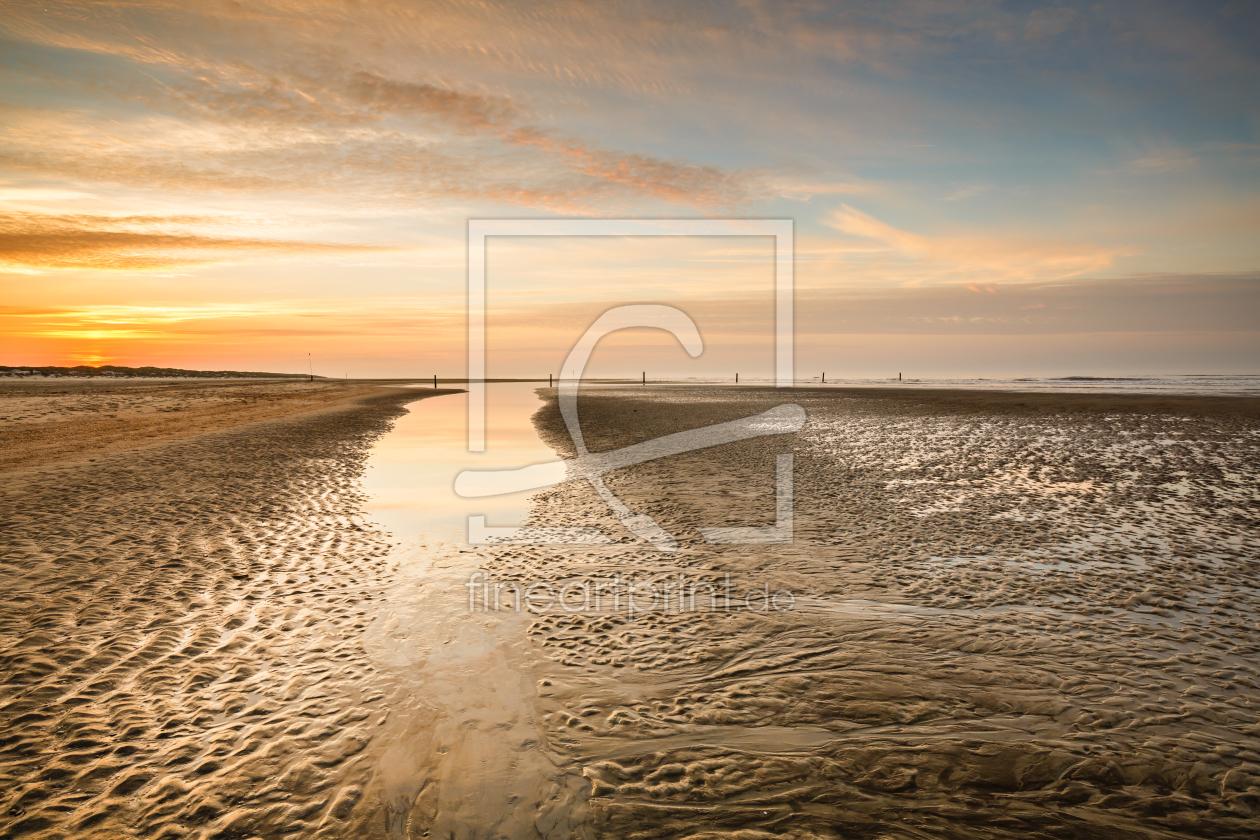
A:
(225, 200)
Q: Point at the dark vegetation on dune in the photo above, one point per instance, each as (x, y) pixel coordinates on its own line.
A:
(147, 371)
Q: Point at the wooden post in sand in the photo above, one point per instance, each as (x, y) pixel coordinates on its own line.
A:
(899, 377)
(435, 380)
(737, 379)
(645, 377)
(549, 380)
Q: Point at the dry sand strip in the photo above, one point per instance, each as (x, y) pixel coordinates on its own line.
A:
(45, 421)
(180, 641)
(1018, 615)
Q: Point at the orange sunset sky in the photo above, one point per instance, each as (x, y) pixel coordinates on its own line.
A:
(978, 188)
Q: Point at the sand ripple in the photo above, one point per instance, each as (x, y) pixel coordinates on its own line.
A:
(181, 640)
(1014, 621)
(1014, 617)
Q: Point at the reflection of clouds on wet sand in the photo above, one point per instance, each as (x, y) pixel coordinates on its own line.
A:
(412, 470)
(461, 755)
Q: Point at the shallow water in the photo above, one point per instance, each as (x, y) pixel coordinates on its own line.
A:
(1002, 625)
(461, 755)
(412, 469)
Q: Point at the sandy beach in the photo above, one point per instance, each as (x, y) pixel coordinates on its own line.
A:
(1016, 615)
(642, 420)
(185, 598)
(1012, 615)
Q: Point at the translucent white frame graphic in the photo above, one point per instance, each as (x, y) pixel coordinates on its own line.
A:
(479, 229)
(591, 466)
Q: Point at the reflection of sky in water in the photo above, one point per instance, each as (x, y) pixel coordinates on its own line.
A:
(412, 469)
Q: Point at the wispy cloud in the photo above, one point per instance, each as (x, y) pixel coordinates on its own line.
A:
(489, 157)
(1107, 137)
(967, 192)
(1164, 158)
(970, 258)
(296, 316)
(132, 243)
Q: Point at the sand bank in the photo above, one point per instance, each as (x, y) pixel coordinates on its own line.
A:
(180, 639)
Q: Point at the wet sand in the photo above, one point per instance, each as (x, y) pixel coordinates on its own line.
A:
(1014, 616)
(181, 640)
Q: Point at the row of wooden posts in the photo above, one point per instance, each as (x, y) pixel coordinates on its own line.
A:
(551, 382)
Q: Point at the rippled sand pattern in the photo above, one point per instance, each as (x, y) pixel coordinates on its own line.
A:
(1014, 617)
(1011, 620)
(181, 636)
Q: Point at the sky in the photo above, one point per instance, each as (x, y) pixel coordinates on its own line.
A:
(978, 188)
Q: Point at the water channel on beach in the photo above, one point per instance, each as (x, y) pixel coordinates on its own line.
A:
(463, 752)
